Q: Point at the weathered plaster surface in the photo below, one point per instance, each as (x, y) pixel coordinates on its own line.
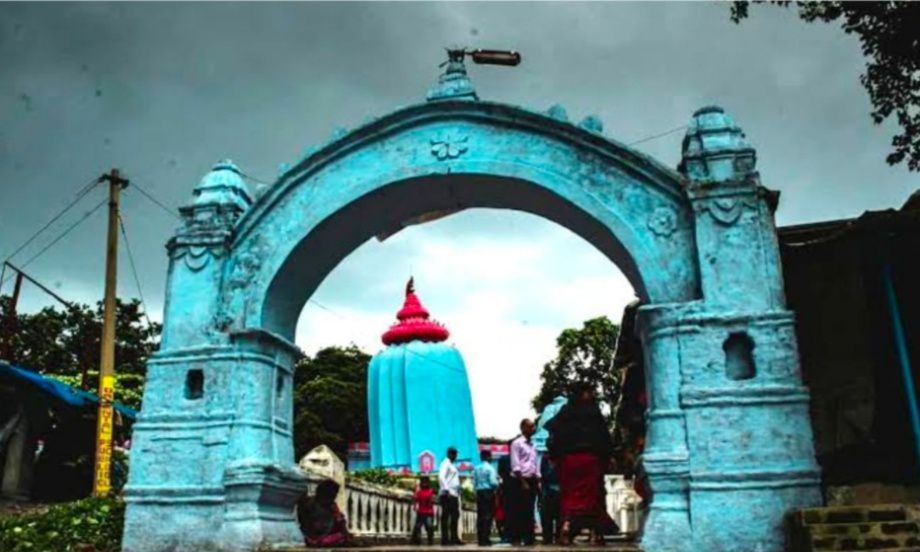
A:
(729, 445)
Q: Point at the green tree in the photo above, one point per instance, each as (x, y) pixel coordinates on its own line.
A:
(65, 343)
(330, 399)
(889, 34)
(584, 355)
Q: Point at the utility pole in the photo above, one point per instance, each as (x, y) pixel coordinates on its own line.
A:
(12, 321)
(101, 482)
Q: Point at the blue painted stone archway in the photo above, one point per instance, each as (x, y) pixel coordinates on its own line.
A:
(729, 446)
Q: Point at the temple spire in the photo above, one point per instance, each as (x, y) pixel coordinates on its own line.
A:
(413, 322)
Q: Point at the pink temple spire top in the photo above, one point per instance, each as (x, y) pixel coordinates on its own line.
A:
(414, 323)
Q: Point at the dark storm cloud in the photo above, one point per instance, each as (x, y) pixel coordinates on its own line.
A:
(164, 90)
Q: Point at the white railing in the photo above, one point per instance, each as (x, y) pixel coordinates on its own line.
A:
(387, 513)
(623, 503)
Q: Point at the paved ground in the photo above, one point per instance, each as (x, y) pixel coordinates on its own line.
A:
(612, 547)
(615, 543)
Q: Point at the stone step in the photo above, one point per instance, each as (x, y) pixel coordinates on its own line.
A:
(865, 542)
(850, 515)
(909, 549)
(614, 547)
(876, 529)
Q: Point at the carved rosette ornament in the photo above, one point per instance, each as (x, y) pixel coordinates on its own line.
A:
(449, 146)
(662, 221)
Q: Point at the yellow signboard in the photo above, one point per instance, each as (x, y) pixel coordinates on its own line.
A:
(103, 483)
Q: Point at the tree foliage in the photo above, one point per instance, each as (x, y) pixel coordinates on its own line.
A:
(65, 343)
(584, 356)
(330, 400)
(889, 34)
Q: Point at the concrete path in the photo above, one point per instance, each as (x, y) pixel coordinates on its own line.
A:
(612, 547)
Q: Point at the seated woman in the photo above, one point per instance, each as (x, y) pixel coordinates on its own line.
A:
(320, 519)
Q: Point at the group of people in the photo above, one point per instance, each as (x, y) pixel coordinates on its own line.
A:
(567, 483)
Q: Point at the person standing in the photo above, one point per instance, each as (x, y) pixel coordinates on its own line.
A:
(549, 501)
(424, 511)
(485, 481)
(581, 444)
(449, 482)
(525, 476)
(504, 495)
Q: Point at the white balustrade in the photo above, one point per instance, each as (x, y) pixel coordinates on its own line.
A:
(623, 503)
(376, 511)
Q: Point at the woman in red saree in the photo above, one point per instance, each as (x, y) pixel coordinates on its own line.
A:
(581, 445)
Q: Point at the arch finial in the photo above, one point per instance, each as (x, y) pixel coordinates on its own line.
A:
(715, 149)
(454, 83)
(224, 185)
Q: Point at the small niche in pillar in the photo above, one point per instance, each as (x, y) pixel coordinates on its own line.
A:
(279, 386)
(194, 384)
(739, 356)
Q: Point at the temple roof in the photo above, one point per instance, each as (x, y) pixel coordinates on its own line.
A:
(414, 322)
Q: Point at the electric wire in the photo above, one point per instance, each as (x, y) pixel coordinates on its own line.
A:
(656, 136)
(254, 179)
(157, 202)
(137, 281)
(81, 193)
(325, 308)
(61, 235)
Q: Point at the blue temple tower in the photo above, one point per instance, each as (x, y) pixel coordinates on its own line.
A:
(419, 400)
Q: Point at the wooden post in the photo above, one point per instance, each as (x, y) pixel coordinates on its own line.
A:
(101, 481)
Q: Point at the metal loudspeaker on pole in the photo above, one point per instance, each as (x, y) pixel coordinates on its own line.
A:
(509, 58)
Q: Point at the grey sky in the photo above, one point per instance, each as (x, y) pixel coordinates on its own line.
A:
(164, 90)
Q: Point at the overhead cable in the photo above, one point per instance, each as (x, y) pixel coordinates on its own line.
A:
(62, 235)
(137, 281)
(80, 195)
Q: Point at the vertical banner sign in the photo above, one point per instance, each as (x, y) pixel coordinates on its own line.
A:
(104, 431)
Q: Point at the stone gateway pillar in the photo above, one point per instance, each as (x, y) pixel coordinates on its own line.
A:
(730, 446)
(212, 462)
